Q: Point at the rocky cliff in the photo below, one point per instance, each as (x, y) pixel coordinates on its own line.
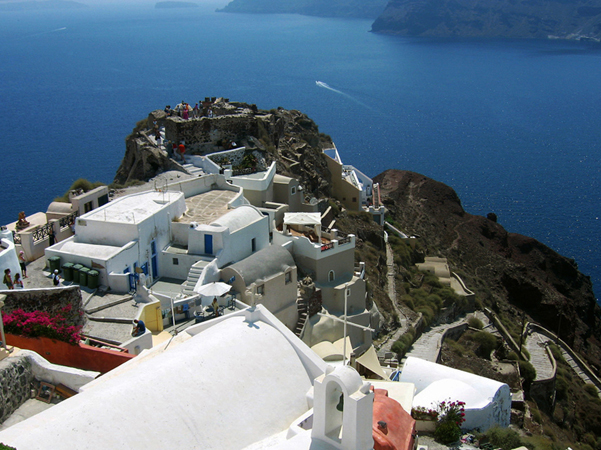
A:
(566, 19)
(507, 270)
(367, 9)
(288, 137)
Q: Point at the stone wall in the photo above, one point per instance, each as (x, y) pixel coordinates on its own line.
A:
(50, 300)
(16, 382)
(207, 135)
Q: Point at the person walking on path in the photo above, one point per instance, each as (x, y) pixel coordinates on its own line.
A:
(8, 279)
(23, 263)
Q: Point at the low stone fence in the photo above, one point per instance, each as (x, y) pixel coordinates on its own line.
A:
(16, 380)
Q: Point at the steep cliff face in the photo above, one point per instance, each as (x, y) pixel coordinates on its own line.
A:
(567, 19)
(512, 269)
(368, 9)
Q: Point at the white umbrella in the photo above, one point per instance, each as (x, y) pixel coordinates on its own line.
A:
(215, 289)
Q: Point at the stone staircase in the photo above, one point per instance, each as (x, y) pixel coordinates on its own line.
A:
(193, 276)
(193, 170)
(302, 306)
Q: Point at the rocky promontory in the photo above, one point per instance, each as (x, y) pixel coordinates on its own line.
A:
(565, 19)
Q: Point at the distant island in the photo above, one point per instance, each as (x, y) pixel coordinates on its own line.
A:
(548, 19)
(166, 5)
(366, 9)
(35, 5)
(538, 19)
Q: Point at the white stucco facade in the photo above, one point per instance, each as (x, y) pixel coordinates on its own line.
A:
(124, 234)
(487, 402)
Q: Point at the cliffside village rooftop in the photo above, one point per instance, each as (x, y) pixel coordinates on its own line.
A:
(256, 329)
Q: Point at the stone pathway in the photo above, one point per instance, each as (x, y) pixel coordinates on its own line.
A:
(386, 346)
(536, 345)
(576, 368)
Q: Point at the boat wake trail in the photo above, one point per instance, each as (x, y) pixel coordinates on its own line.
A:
(321, 84)
(45, 32)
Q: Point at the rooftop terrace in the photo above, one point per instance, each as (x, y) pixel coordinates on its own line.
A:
(207, 207)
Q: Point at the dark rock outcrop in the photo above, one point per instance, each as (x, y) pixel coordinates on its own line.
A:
(367, 9)
(288, 137)
(566, 19)
(515, 270)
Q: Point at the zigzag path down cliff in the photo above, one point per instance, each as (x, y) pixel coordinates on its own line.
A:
(507, 271)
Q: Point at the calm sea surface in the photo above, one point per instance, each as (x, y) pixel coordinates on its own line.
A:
(512, 126)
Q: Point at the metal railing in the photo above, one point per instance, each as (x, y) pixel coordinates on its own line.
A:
(67, 221)
(16, 238)
(41, 233)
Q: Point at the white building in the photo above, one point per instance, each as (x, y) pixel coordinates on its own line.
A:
(242, 381)
(487, 402)
(126, 233)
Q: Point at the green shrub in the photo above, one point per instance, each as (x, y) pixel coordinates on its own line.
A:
(399, 348)
(427, 313)
(535, 413)
(486, 343)
(527, 371)
(447, 432)
(474, 322)
(561, 388)
(513, 356)
(591, 390)
(504, 438)
(556, 352)
(6, 447)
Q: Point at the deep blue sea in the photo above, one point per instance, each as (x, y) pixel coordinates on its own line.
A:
(512, 125)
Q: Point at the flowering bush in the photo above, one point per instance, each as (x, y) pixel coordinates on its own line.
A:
(42, 324)
(449, 411)
(421, 413)
(451, 416)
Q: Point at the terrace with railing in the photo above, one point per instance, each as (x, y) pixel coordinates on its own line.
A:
(330, 239)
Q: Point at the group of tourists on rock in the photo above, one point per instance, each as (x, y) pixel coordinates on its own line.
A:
(185, 111)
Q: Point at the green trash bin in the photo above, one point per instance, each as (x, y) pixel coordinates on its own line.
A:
(55, 263)
(93, 276)
(76, 269)
(83, 276)
(68, 271)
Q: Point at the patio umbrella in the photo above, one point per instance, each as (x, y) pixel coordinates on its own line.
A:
(215, 289)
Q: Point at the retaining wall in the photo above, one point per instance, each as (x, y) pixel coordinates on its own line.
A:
(16, 382)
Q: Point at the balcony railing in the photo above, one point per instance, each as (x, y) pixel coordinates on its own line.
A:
(41, 233)
(67, 221)
(16, 238)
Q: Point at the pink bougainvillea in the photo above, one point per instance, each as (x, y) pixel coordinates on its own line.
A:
(42, 324)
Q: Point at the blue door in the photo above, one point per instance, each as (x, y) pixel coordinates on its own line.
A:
(132, 279)
(209, 244)
(154, 260)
